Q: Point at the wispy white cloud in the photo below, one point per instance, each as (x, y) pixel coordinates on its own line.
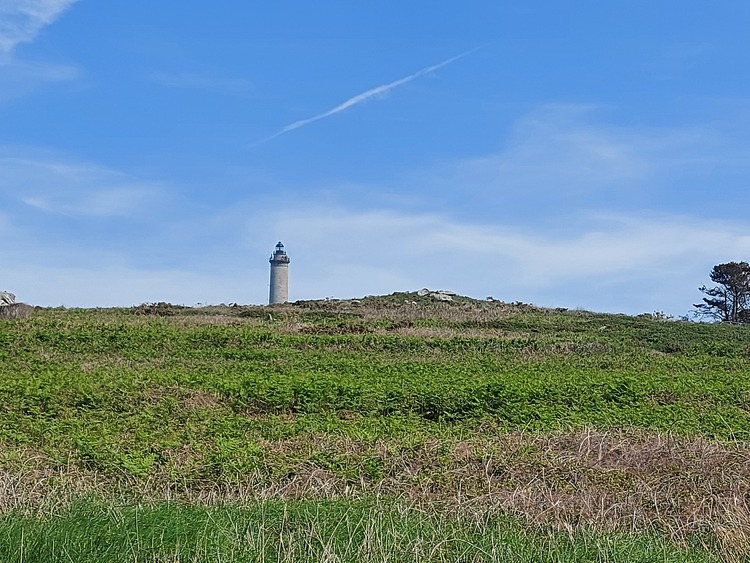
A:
(18, 78)
(105, 202)
(364, 96)
(19, 71)
(53, 184)
(22, 20)
(561, 159)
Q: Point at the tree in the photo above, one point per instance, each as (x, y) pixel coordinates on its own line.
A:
(729, 301)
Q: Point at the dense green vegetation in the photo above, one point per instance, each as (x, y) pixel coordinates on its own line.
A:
(399, 397)
(309, 531)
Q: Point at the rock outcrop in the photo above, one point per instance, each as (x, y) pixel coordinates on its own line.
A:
(9, 309)
(16, 311)
(439, 295)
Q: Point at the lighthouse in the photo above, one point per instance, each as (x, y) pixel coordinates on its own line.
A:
(279, 292)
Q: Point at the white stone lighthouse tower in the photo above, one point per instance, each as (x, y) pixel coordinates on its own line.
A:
(279, 276)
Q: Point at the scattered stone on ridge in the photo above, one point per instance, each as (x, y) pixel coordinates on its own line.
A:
(438, 295)
(16, 311)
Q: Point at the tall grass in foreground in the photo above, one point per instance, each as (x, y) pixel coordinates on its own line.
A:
(324, 531)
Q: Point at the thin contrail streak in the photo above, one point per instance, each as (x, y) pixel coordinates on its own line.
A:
(359, 98)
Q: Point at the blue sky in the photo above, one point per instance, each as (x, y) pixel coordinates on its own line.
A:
(587, 154)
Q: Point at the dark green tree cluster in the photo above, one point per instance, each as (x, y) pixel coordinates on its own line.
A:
(729, 300)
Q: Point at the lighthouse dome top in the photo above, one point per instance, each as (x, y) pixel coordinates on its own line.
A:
(279, 257)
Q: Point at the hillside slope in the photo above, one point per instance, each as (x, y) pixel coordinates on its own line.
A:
(567, 419)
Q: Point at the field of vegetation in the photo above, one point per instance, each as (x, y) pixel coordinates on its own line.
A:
(391, 428)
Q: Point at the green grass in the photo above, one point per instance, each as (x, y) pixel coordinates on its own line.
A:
(65, 373)
(570, 420)
(310, 531)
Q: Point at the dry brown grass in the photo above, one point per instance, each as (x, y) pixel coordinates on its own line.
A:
(403, 310)
(441, 313)
(451, 332)
(433, 320)
(623, 480)
(31, 482)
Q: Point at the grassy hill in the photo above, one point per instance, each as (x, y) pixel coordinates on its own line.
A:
(391, 428)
